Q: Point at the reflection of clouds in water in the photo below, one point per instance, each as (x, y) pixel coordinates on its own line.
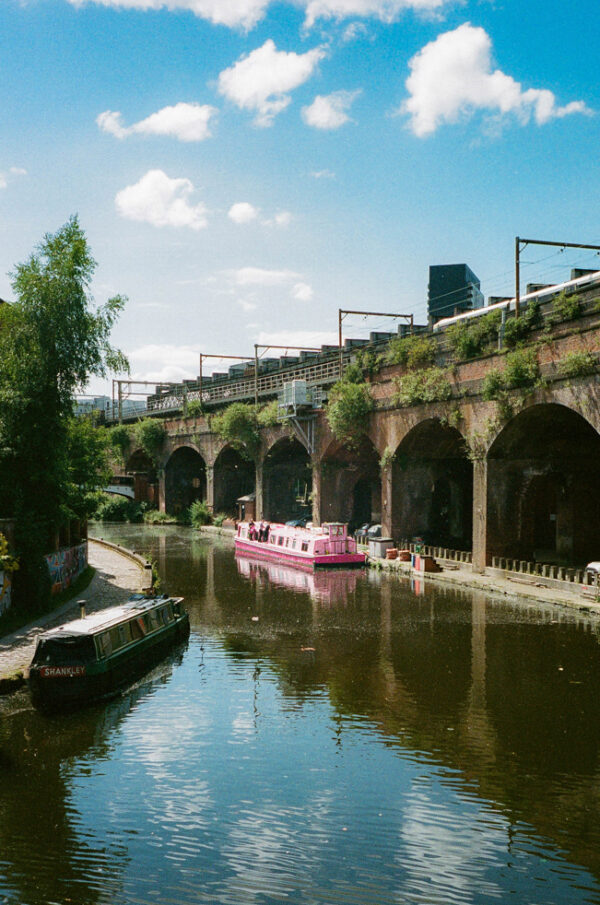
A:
(271, 848)
(448, 847)
(243, 723)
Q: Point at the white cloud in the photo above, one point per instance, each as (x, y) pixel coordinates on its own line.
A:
(322, 174)
(257, 276)
(262, 80)
(242, 212)
(233, 13)
(302, 292)
(161, 201)
(6, 175)
(303, 339)
(247, 305)
(452, 77)
(329, 111)
(247, 13)
(164, 361)
(385, 10)
(186, 122)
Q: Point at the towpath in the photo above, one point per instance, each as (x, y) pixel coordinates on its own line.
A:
(117, 576)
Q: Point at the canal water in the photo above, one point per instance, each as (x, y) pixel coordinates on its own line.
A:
(338, 738)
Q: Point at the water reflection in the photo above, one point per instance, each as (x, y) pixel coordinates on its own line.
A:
(324, 585)
(341, 740)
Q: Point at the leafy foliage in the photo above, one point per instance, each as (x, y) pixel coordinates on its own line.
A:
(348, 411)
(52, 339)
(412, 351)
(114, 508)
(429, 385)
(517, 329)
(150, 434)
(469, 338)
(566, 307)
(199, 514)
(268, 415)
(578, 364)
(194, 408)
(238, 425)
(88, 468)
(119, 438)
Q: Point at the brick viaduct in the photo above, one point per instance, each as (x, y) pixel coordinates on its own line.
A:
(456, 473)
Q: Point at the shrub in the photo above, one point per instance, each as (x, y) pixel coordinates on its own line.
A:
(150, 434)
(115, 508)
(577, 364)
(199, 514)
(493, 385)
(412, 351)
(268, 415)
(119, 439)
(430, 385)
(469, 338)
(565, 307)
(219, 518)
(238, 425)
(194, 408)
(522, 369)
(348, 411)
(154, 517)
(517, 329)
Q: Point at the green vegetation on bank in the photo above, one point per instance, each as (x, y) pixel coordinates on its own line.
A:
(53, 338)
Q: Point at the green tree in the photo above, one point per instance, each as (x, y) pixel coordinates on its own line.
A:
(52, 339)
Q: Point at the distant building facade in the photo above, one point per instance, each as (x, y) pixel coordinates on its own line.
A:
(453, 288)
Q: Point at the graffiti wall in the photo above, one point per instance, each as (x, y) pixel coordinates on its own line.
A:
(5, 589)
(66, 565)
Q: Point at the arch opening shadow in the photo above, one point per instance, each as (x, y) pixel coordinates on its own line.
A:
(543, 479)
(351, 485)
(287, 482)
(432, 481)
(185, 480)
(234, 477)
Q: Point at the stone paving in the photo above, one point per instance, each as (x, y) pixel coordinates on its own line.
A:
(116, 578)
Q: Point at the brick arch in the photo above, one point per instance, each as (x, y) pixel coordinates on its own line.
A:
(286, 480)
(432, 485)
(185, 478)
(350, 483)
(234, 476)
(543, 479)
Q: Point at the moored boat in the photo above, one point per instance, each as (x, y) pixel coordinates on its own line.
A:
(95, 656)
(308, 548)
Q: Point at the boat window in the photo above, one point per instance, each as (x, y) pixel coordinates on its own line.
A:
(280, 541)
(115, 637)
(287, 541)
(65, 651)
(294, 544)
(304, 546)
(273, 538)
(166, 614)
(137, 630)
(151, 620)
(104, 645)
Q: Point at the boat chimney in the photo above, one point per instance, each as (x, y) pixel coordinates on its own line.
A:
(81, 608)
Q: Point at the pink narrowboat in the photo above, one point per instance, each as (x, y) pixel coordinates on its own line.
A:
(307, 548)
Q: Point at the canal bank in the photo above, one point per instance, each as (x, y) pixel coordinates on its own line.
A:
(494, 581)
(119, 572)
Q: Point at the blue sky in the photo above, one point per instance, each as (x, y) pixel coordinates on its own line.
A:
(244, 168)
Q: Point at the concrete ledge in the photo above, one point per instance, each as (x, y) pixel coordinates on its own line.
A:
(144, 565)
(217, 531)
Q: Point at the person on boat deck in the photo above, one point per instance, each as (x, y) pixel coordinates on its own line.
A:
(252, 531)
(267, 528)
(263, 531)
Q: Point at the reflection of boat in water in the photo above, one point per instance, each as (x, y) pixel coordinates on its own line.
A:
(97, 655)
(305, 548)
(328, 586)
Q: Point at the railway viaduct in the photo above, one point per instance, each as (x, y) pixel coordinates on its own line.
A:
(514, 477)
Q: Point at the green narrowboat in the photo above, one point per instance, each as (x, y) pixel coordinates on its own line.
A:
(96, 656)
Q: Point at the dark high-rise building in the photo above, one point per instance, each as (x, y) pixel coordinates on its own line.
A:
(453, 288)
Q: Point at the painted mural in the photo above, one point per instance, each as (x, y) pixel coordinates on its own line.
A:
(66, 565)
